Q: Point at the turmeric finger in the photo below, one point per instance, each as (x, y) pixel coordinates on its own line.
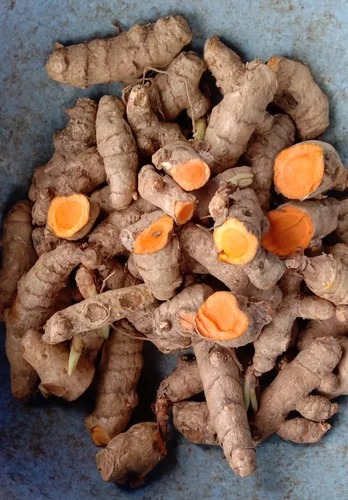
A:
(317, 408)
(301, 430)
(166, 194)
(44, 241)
(309, 169)
(118, 149)
(331, 327)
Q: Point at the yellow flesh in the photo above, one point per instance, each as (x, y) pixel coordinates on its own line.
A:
(154, 237)
(184, 211)
(191, 175)
(67, 215)
(234, 243)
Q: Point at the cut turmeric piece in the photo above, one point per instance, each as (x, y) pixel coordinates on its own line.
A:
(299, 170)
(220, 318)
(291, 229)
(235, 244)
(190, 175)
(67, 215)
(183, 211)
(155, 237)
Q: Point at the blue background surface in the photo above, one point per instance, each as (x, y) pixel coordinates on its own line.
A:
(45, 452)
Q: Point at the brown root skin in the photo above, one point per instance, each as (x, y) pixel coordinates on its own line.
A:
(300, 96)
(117, 147)
(130, 456)
(44, 241)
(183, 164)
(151, 133)
(235, 118)
(122, 58)
(294, 383)
(193, 421)
(178, 87)
(331, 327)
(342, 374)
(325, 275)
(96, 312)
(341, 232)
(104, 241)
(37, 299)
(41, 206)
(166, 194)
(223, 391)
(79, 174)
(114, 275)
(275, 338)
(50, 363)
(232, 321)
(264, 146)
(198, 244)
(102, 197)
(173, 321)
(18, 253)
(303, 222)
(118, 374)
(308, 170)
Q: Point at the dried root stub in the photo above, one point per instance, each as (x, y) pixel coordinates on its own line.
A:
(311, 369)
(178, 87)
(298, 225)
(308, 170)
(183, 164)
(166, 194)
(117, 378)
(232, 320)
(130, 456)
(118, 149)
(151, 133)
(156, 253)
(96, 312)
(18, 254)
(50, 362)
(37, 299)
(275, 134)
(237, 238)
(44, 241)
(300, 96)
(325, 275)
(72, 217)
(275, 337)
(122, 58)
(220, 376)
(247, 89)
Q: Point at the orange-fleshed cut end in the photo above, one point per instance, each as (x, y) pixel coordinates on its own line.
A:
(155, 237)
(299, 170)
(234, 243)
(291, 230)
(184, 211)
(99, 436)
(190, 175)
(220, 318)
(67, 215)
(273, 63)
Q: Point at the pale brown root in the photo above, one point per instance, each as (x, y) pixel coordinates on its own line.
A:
(193, 267)
(224, 394)
(50, 363)
(308, 170)
(183, 164)
(79, 174)
(166, 194)
(37, 299)
(300, 430)
(205, 194)
(300, 96)
(331, 327)
(130, 456)
(144, 206)
(102, 197)
(236, 117)
(325, 275)
(132, 268)
(150, 132)
(18, 253)
(342, 229)
(193, 421)
(104, 241)
(41, 206)
(341, 388)
(178, 87)
(198, 244)
(118, 149)
(183, 383)
(96, 312)
(294, 383)
(317, 408)
(44, 241)
(122, 58)
(114, 275)
(118, 374)
(275, 337)
(262, 150)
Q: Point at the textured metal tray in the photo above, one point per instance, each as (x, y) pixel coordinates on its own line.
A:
(45, 452)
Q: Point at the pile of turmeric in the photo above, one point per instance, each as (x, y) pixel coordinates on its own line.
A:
(202, 230)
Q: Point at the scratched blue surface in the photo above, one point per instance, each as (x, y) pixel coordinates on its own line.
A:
(45, 452)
